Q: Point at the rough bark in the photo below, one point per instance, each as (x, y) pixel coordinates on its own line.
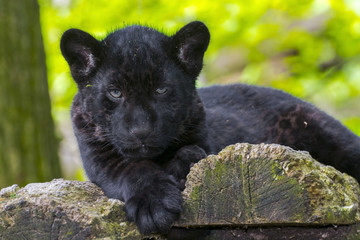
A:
(28, 148)
(245, 192)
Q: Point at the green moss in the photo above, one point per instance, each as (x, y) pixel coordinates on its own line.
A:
(13, 195)
(196, 193)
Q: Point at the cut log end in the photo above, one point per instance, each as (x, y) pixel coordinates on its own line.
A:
(268, 184)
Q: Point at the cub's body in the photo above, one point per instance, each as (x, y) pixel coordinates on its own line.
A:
(140, 122)
(243, 113)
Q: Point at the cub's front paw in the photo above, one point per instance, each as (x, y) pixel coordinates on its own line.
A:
(191, 154)
(156, 208)
(185, 157)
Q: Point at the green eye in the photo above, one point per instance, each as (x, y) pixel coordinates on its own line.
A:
(161, 90)
(115, 93)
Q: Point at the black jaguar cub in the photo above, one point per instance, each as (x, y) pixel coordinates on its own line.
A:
(140, 122)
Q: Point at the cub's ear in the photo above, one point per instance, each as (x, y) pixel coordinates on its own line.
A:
(191, 42)
(82, 52)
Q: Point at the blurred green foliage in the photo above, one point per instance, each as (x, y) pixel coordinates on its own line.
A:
(310, 48)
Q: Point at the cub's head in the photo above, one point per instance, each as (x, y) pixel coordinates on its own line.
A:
(137, 86)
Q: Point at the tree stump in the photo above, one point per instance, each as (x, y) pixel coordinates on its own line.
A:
(264, 191)
(267, 184)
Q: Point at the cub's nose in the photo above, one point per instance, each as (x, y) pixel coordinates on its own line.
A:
(141, 123)
(140, 132)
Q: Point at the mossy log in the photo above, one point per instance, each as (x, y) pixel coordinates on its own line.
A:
(267, 184)
(247, 191)
(62, 209)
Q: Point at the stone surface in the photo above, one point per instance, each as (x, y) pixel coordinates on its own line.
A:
(264, 191)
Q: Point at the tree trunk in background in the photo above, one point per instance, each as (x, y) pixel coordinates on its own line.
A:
(28, 147)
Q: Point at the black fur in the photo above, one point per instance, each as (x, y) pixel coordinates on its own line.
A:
(141, 123)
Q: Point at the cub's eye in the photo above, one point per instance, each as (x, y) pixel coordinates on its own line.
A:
(161, 90)
(115, 93)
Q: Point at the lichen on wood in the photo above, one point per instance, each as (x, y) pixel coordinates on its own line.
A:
(62, 209)
(267, 184)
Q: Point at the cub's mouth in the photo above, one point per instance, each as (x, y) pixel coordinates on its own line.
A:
(141, 152)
